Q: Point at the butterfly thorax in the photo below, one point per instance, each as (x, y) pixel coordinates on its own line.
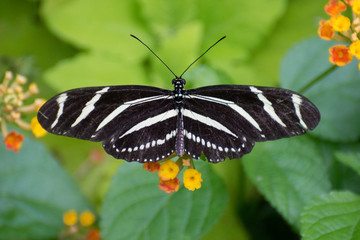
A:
(179, 89)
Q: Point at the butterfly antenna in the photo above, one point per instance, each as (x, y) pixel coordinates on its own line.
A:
(154, 54)
(202, 55)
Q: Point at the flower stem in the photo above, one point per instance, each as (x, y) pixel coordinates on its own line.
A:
(318, 78)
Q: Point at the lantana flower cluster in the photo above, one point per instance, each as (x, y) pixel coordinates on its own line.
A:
(342, 28)
(79, 226)
(13, 109)
(168, 173)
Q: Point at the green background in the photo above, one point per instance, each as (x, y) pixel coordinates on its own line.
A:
(300, 188)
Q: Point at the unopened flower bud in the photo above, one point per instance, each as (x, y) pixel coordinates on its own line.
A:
(20, 79)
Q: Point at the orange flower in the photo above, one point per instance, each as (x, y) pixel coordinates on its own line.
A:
(325, 30)
(340, 55)
(340, 23)
(169, 186)
(192, 179)
(93, 234)
(13, 141)
(168, 170)
(151, 167)
(334, 7)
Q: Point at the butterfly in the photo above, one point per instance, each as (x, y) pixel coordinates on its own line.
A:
(148, 124)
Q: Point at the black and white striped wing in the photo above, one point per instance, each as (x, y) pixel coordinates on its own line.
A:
(226, 120)
(135, 123)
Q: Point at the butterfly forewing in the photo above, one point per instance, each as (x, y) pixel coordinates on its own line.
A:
(260, 113)
(108, 114)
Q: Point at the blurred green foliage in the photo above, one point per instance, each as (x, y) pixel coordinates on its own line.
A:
(282, 190)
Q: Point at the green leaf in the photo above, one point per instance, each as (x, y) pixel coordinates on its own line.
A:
(333, 216)
(101, 25)
(34, 193)
(289, 172)
(350, 157)
(246, 24)
(94, 69)
(22, 34)
(288, 31)
(335, 91)
(134, 207)
(304, 62)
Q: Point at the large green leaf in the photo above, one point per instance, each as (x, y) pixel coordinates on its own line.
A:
(34, 193)
(289, 172)
(350, 156)
(297, 22)
(336, 93)
(22, 34)
(93, 69)
(101, 25)
(333, 216)
(105, 26)
(134, 207)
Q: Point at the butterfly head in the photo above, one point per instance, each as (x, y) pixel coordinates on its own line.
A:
(178, 82)
(179, 89)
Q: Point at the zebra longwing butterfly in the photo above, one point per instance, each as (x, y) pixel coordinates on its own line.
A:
(147, 124)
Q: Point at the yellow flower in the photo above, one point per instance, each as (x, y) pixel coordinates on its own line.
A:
(36, 128)
(192, 179)
(355, 49)
(168, 170)
(87, 218)
(356, 6)
(70, 218)
(340, 23)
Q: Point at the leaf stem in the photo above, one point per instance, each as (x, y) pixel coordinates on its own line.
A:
(318, 78)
